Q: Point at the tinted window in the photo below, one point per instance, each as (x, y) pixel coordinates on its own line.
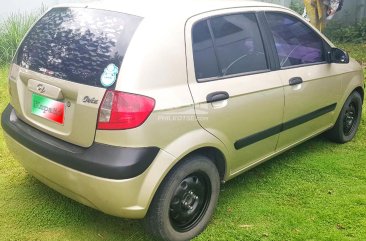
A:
(205, 63)
(238, 43)
(78, 44)
(235, 47)
(295, 42)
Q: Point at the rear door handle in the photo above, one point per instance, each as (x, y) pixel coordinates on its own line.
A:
(295, 81)
(217, 96)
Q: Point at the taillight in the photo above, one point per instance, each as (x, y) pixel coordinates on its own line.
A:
(119, 110)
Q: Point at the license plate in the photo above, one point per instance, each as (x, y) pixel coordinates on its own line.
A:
(47, 108)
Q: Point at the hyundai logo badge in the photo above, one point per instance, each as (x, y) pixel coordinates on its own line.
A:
(41, 88)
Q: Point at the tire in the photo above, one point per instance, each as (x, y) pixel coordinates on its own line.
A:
(348, 120)
(184, 203)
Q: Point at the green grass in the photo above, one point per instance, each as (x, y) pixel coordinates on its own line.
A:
(357, 51)
(12, 30)
(316, 191)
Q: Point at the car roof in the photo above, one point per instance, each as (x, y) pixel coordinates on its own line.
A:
(178, 8)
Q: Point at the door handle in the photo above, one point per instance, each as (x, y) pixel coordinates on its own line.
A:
(217, 96)
(295, 81)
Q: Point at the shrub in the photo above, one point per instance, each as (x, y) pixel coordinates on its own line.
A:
(12, 31)
(337, 32)
(297, 6)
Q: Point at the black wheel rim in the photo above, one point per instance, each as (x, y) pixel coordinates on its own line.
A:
(190, 201)
(350, 119)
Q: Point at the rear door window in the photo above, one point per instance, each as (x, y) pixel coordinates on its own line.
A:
(86, 46)
(238, 44)
(227, 45)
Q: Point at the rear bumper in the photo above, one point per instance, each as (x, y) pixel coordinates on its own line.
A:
(128, 198)
(99, 159)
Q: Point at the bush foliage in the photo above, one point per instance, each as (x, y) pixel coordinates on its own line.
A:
(297, 6)
(337, 32)
(12, 31)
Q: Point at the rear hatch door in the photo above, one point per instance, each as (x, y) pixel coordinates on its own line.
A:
(64, 66)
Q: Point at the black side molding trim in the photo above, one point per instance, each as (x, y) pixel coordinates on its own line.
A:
(99, 159)
(257, 137)
(246, 141)
(308, 117)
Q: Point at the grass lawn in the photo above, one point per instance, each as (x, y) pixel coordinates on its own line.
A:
(316, 191)
(357, 51)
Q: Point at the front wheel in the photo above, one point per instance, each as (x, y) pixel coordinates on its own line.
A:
(185, 201)
(348, 120)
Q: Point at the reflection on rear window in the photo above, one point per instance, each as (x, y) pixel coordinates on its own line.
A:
(82, 45)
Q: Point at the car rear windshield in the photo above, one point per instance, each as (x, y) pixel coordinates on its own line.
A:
(82, 45)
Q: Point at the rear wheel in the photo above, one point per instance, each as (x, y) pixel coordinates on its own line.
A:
(185, 201)
(348, 120)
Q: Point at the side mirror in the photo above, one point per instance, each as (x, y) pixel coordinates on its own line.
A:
(338, 56)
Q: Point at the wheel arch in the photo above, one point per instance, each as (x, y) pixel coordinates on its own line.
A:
(355, 84)
(214, 154)
(360, 91)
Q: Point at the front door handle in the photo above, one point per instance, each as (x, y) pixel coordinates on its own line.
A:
(217, 96)
(295, 81)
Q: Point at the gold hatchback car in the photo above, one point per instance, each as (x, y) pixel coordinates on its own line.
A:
(141, 111)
